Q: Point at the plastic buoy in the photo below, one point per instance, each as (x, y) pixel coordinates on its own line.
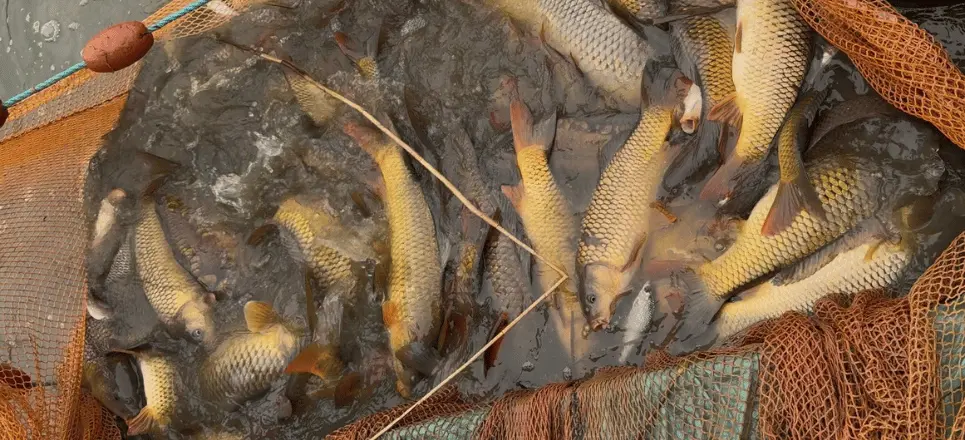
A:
(117, 47)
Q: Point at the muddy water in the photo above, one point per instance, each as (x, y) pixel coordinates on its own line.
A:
(244, 145)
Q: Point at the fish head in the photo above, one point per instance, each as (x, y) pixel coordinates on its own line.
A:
(600, 288)
(198, 324)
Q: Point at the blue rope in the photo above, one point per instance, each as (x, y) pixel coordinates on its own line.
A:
(81, 65)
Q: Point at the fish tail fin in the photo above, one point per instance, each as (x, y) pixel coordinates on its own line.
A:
(368, 138)
(259, 316)
(792, 197)
(721, 184)
(307, 361)
(362, 56)
(492, 353)
(157, 170)
(694, 155)
(143, 422)
(700, 307)
(525, 133)
(727, 111)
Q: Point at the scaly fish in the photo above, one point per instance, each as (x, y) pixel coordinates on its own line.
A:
(650, 10)
(180, 303)
(108, 238)
(318, 105)
(547, 217)
(412, 310)
(610, 54)
(364, 59)
(616, 222)
(160, 377)
(505, 273)
(851, 188)
(794, 191)
(244, 365)
(771, 51)
(322, 359)
(871, 265)
(193, 252)
(703, 47)
(305, 230)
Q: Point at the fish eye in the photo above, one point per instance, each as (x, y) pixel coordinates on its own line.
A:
(196, 334)
(591, 298)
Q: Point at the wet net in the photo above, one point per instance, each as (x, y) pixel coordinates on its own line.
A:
(880, 367)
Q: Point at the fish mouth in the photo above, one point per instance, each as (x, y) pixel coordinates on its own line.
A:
(599, 323)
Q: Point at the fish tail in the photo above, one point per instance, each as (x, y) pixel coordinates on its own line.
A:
(362, 56)
(158, 169)
(701, 306)
(792, 197)
(694, 156)
(143, 422)
(527, 135)
(307, 361)
(721, 184)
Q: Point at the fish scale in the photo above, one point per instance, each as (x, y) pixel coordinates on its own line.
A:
(158, 374)
(848, 193)
(329, 267)
(616, 222)
(711, 48)
(608, 52)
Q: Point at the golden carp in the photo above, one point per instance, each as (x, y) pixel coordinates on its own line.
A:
(160, 379)
(650, 10)
(412, 310)
(771, 51)
(547, 217)
(851, 189)
(177, 298)
(363, 58)
(245, 364)
(318, 105)
(871, 265)
(616, 223)
(305, 231)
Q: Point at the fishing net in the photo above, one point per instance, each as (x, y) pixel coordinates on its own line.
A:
(880, 367)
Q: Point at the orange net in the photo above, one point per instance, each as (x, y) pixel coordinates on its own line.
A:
(888, 368)
(903, 62)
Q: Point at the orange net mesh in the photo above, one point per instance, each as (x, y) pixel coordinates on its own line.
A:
(903, 62)
(878, 368)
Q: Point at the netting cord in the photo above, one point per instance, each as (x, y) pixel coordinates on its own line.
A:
(81, 65)
(462, 198)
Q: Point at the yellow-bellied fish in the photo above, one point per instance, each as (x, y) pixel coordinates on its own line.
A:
(304, 232)
(160, 378)
(180, 302)
(412, 310)
(771, 52)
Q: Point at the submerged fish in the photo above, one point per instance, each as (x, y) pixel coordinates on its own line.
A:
(192, 251)
(305, 232)
(244, 365)
(616, 223)
(363, 58)
(180, 302)
(322, 359)
(851, 189)
(870, 265)
(412, 310)
(650, 10)
(505, 272)
(108, 238)
(547, 217)
(637, 322)
(160, 379)
(771, 51)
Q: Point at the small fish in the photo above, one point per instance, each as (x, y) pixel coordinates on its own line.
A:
(851, 188)
(364, 59)
(322, 359)
(108, 237)
(160, 377)
(245, 364)
(871, 265)
(180, 302)
(771, 50)
(637, 322)
(412, 311)
(616, 222)
(547, 217)
(97, 374)
(505, 273)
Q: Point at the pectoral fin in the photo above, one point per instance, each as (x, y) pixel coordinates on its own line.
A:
(419, 357)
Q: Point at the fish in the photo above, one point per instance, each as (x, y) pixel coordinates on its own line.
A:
(245, 364)
(851, 188)
(794, 191)
(160, 379)
(548, 218)
(649, 11)
(322, 358)
(320, 107)
(107, 237)
(703, 47)
(412, 310)
(362, 57)
(504, 270)
(97, 376)
(191, 249)
(180, 302)
(772, 46)
(306, 230)
(615, 227)
(875, 263)
(609, 53)
(637, 322)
